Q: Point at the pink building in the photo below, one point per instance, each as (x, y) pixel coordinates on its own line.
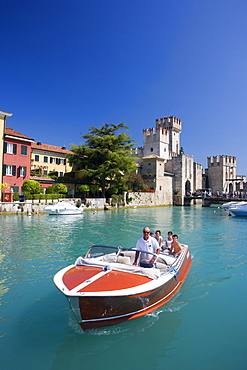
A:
(16, 158)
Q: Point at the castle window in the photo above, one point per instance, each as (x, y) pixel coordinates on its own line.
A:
(151, 149)
(160, 188)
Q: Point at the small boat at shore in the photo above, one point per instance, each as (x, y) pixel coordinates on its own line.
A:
(63, 208)
(105, 288)
(239, 210)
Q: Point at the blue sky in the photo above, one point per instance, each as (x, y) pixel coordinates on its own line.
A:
(70, 65)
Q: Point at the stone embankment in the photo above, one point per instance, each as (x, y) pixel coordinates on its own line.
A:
(30, 206)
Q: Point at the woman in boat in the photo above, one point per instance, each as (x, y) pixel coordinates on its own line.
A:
(158, 237)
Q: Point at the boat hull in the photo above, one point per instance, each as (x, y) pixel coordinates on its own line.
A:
(94, 311)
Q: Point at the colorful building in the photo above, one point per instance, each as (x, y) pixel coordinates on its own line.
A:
(49, 158)
(3, 117)
(16, 158)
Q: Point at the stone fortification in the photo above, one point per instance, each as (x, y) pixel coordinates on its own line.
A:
(221, 173)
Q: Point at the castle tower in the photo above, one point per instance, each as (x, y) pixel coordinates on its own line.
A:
(164, 140)
(174, 127)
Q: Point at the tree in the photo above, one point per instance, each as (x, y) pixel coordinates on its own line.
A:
(60, 188)
(105, 156)
(32, 186)
(84, 189)
(135, 182)
(4, 186)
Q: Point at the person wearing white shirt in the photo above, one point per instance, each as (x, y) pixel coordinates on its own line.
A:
(147, 244)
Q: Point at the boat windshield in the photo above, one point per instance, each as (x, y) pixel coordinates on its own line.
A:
(101, 250)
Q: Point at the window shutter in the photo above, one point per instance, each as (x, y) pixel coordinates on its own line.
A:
(13, 170)
(14, 148)
(5, 147)
(19, 171)
(4, 169)
(25, 172)
(64, 161)
(50, 159)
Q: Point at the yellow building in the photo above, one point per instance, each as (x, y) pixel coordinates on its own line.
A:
(3, 117)
(48, 158)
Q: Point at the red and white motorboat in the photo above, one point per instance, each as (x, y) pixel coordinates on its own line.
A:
(105, 288)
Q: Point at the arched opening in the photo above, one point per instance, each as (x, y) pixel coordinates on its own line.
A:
(230, 188)
(187, 187)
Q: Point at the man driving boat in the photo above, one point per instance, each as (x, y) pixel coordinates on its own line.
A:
(147, 244)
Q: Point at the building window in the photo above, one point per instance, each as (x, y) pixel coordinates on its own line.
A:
(45, 159)
(36, 158)
(61, 174)
(22, 171)
(23, 150)
(10, 148)
(45, 172)
(15, 189)
(52, 160)
(160, 187)
(151, 149)
(9, 170)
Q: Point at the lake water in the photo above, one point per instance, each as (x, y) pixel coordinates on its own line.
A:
(203, 327)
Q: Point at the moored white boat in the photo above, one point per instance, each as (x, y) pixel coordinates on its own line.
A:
(229, 205)
(105, 288)
(63, 208)
(239, 210)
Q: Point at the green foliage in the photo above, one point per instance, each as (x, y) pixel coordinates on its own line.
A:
(32, 187)
(135, 182)
(117, 200)
(28, 196)
(50, 190)
(60, 188)
(16, 197)
(105, 156)
(84, 188)
(53, 174)
(94, 188)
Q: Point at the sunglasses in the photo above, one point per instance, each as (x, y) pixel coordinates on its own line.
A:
(146, 232)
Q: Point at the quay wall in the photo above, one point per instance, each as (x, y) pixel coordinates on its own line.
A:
(33, 206)
(148, 199)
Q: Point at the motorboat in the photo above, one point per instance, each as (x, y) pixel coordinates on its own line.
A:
(228, 205)
(63, 208)
(239, 210)
(105, 288)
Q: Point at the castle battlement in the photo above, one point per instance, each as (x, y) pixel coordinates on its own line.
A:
(222, 160)
(159, 132)
(169, 123)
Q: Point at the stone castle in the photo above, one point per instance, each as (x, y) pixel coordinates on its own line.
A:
(163, 164)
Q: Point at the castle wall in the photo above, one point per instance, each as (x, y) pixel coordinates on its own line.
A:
(221, 173)
(197, 174)
(183, 181)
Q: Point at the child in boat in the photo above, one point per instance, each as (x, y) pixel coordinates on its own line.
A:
(168, 241)
(176, 247)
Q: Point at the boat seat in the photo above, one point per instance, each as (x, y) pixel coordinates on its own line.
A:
(124, 259)
(109, 258)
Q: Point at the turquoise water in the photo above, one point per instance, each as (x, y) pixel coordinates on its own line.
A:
(203, 327)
